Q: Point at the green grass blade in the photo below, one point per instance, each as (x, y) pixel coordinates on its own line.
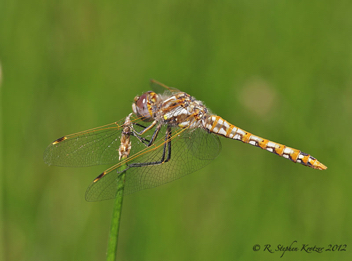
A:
(116, 216)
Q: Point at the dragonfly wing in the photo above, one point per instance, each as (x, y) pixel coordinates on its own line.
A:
(105, 188)
(202, 145)
(191, 150)
(159, 87)
(97, 146)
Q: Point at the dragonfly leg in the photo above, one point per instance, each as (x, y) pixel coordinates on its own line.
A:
(155, 135)
(140, 125)
(164, 158)
(138, 134)
(145, 128)
(166, 149)
(141, 139)
(145, 141)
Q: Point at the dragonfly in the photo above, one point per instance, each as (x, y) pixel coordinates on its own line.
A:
(169, 134)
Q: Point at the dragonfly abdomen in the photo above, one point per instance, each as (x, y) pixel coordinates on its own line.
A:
(218, 125)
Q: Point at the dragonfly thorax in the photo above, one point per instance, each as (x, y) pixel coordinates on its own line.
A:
(179, 109)
(182, 110)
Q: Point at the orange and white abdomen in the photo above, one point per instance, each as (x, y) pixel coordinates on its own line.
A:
(218, 125)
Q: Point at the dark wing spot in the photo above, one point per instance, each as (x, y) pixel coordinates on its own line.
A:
(99, 177)
(59, 140)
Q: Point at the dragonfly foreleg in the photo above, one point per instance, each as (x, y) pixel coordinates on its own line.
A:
(145, 141)
(141, 139)
(155, 135)
(138, 134)
(145, 128)
(140, 125)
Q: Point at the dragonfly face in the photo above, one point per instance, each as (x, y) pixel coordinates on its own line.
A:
(182, 137)
(145, 105)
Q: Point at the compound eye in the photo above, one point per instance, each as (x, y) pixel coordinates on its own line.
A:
(141, 107)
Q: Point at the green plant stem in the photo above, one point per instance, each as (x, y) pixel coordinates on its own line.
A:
(2, 216)
(116, 215)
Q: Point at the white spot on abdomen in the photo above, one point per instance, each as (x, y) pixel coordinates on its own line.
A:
(253, 137)
(252, 142)
(241, 132)
(237, 137)
(288, 150)
(226, 124)
(222, 132)
(271, 144)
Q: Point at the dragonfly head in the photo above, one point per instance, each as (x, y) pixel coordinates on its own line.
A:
(143, 105)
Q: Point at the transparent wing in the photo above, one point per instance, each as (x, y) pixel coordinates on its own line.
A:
(191, 150)
(97, 146)
(159, 87)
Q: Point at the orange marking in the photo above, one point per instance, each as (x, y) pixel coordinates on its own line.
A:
(245, 137)
(280, 150)
(305, 159)
(294, 155)
(150, 109)
(263, 143)
(215, 122)
(229, 129)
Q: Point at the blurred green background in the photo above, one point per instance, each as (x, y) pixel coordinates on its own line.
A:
(280, 69)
